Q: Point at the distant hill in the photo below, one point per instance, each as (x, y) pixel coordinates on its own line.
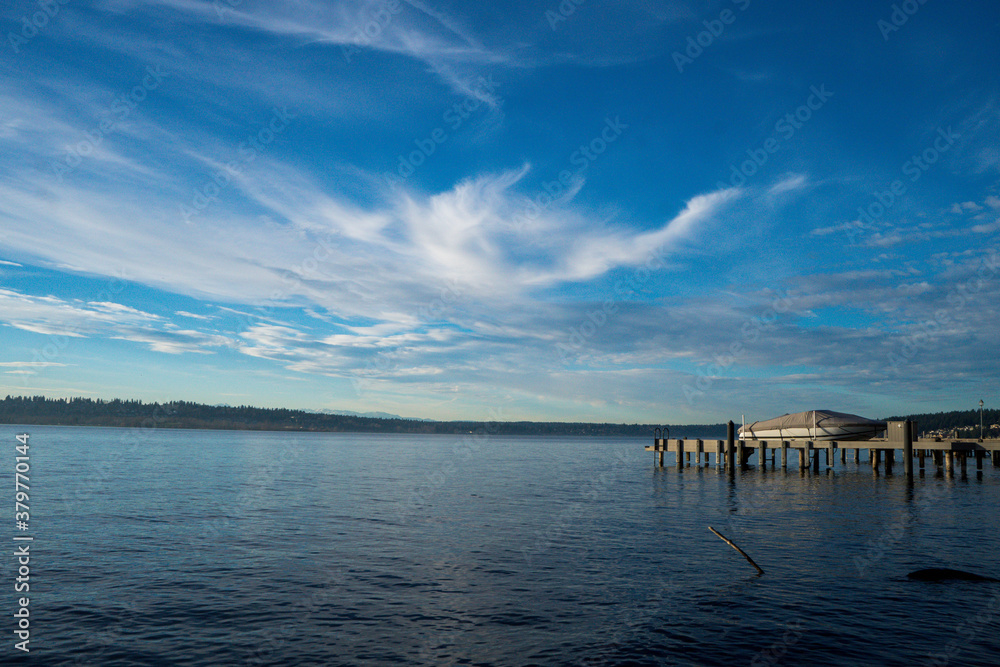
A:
(373, 415)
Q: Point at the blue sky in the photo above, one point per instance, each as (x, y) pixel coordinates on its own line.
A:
(665, 212)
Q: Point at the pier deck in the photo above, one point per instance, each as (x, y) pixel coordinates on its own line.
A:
(732, 453)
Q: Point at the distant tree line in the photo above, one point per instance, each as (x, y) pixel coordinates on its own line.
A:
(186, 414)
(954, 420)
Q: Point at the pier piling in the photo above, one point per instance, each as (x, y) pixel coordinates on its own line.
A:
(908, 450)
(730, 446)
(735, 453)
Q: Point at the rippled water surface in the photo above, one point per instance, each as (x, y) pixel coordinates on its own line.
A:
(157, 547)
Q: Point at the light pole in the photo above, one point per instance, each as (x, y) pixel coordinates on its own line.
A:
(980, 419)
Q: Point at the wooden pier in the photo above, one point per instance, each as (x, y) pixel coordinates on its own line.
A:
(946, 455)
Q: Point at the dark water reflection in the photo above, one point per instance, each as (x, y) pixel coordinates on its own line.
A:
(208, 548)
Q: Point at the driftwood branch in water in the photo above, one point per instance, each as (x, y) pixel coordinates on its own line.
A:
(730, 543)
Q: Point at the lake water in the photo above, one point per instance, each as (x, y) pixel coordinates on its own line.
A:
(157, 547)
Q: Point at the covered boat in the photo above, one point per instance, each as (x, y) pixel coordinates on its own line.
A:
(814, 425)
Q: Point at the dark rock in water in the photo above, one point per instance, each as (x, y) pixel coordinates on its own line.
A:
(945, 574)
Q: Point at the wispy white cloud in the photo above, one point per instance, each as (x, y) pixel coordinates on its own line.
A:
(967, 206)
(789, 183)
(839, 228)
(410, 29)
(593, 254)
(316, 246)
(53, 316)
(986, 228)
(184, 313)
(172, 341)
(30, 364)
(442, 285)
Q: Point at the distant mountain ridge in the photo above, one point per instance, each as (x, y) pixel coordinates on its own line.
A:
(371, 415)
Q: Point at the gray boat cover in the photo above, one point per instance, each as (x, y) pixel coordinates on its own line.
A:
(826, 419)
